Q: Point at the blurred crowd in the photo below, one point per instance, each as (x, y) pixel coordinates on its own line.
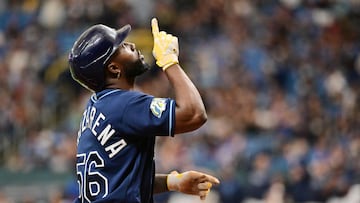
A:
(280, 80)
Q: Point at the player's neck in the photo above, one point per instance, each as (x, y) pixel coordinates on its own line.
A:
(121, 84)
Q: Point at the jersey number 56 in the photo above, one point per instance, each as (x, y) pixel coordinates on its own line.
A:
(92, 184)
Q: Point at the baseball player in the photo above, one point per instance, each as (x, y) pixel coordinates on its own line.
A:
(116, 138)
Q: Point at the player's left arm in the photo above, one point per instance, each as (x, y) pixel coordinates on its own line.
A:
(189, 182)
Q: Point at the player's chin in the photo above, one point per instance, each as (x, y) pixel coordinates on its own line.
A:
(137, 68)
(146, 66)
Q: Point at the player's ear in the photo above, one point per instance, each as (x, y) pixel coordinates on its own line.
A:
(114, 69)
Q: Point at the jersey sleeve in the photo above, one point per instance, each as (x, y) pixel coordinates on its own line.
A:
(146, 115)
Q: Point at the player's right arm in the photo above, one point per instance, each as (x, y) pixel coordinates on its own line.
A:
(189, 182)
(190, 112)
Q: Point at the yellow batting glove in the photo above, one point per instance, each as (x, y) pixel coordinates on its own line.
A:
(166, 47)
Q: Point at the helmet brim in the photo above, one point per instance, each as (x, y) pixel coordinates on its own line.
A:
(121, 34)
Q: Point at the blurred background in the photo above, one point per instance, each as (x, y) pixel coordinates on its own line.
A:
(280, 80)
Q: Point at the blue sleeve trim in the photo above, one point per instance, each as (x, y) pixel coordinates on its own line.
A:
(171, 118)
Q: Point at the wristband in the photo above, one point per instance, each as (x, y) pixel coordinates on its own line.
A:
(172, 181)
(168, 66)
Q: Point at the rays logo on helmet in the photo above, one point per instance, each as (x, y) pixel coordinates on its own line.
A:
(158, 106)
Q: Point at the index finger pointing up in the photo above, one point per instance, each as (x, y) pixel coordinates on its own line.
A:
(154, 26)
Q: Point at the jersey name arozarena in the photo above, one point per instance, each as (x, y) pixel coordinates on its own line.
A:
(92, 122)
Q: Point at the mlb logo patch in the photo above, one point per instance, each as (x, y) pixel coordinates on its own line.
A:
(158, 106)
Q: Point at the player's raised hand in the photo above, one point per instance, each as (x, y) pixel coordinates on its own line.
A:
(191, 182)
(155, 27)
(166, 47)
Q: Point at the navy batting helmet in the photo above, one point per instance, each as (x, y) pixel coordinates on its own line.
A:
(91, 51)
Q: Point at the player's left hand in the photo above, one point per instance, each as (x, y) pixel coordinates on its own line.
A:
(166, 47)
(191, 182)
